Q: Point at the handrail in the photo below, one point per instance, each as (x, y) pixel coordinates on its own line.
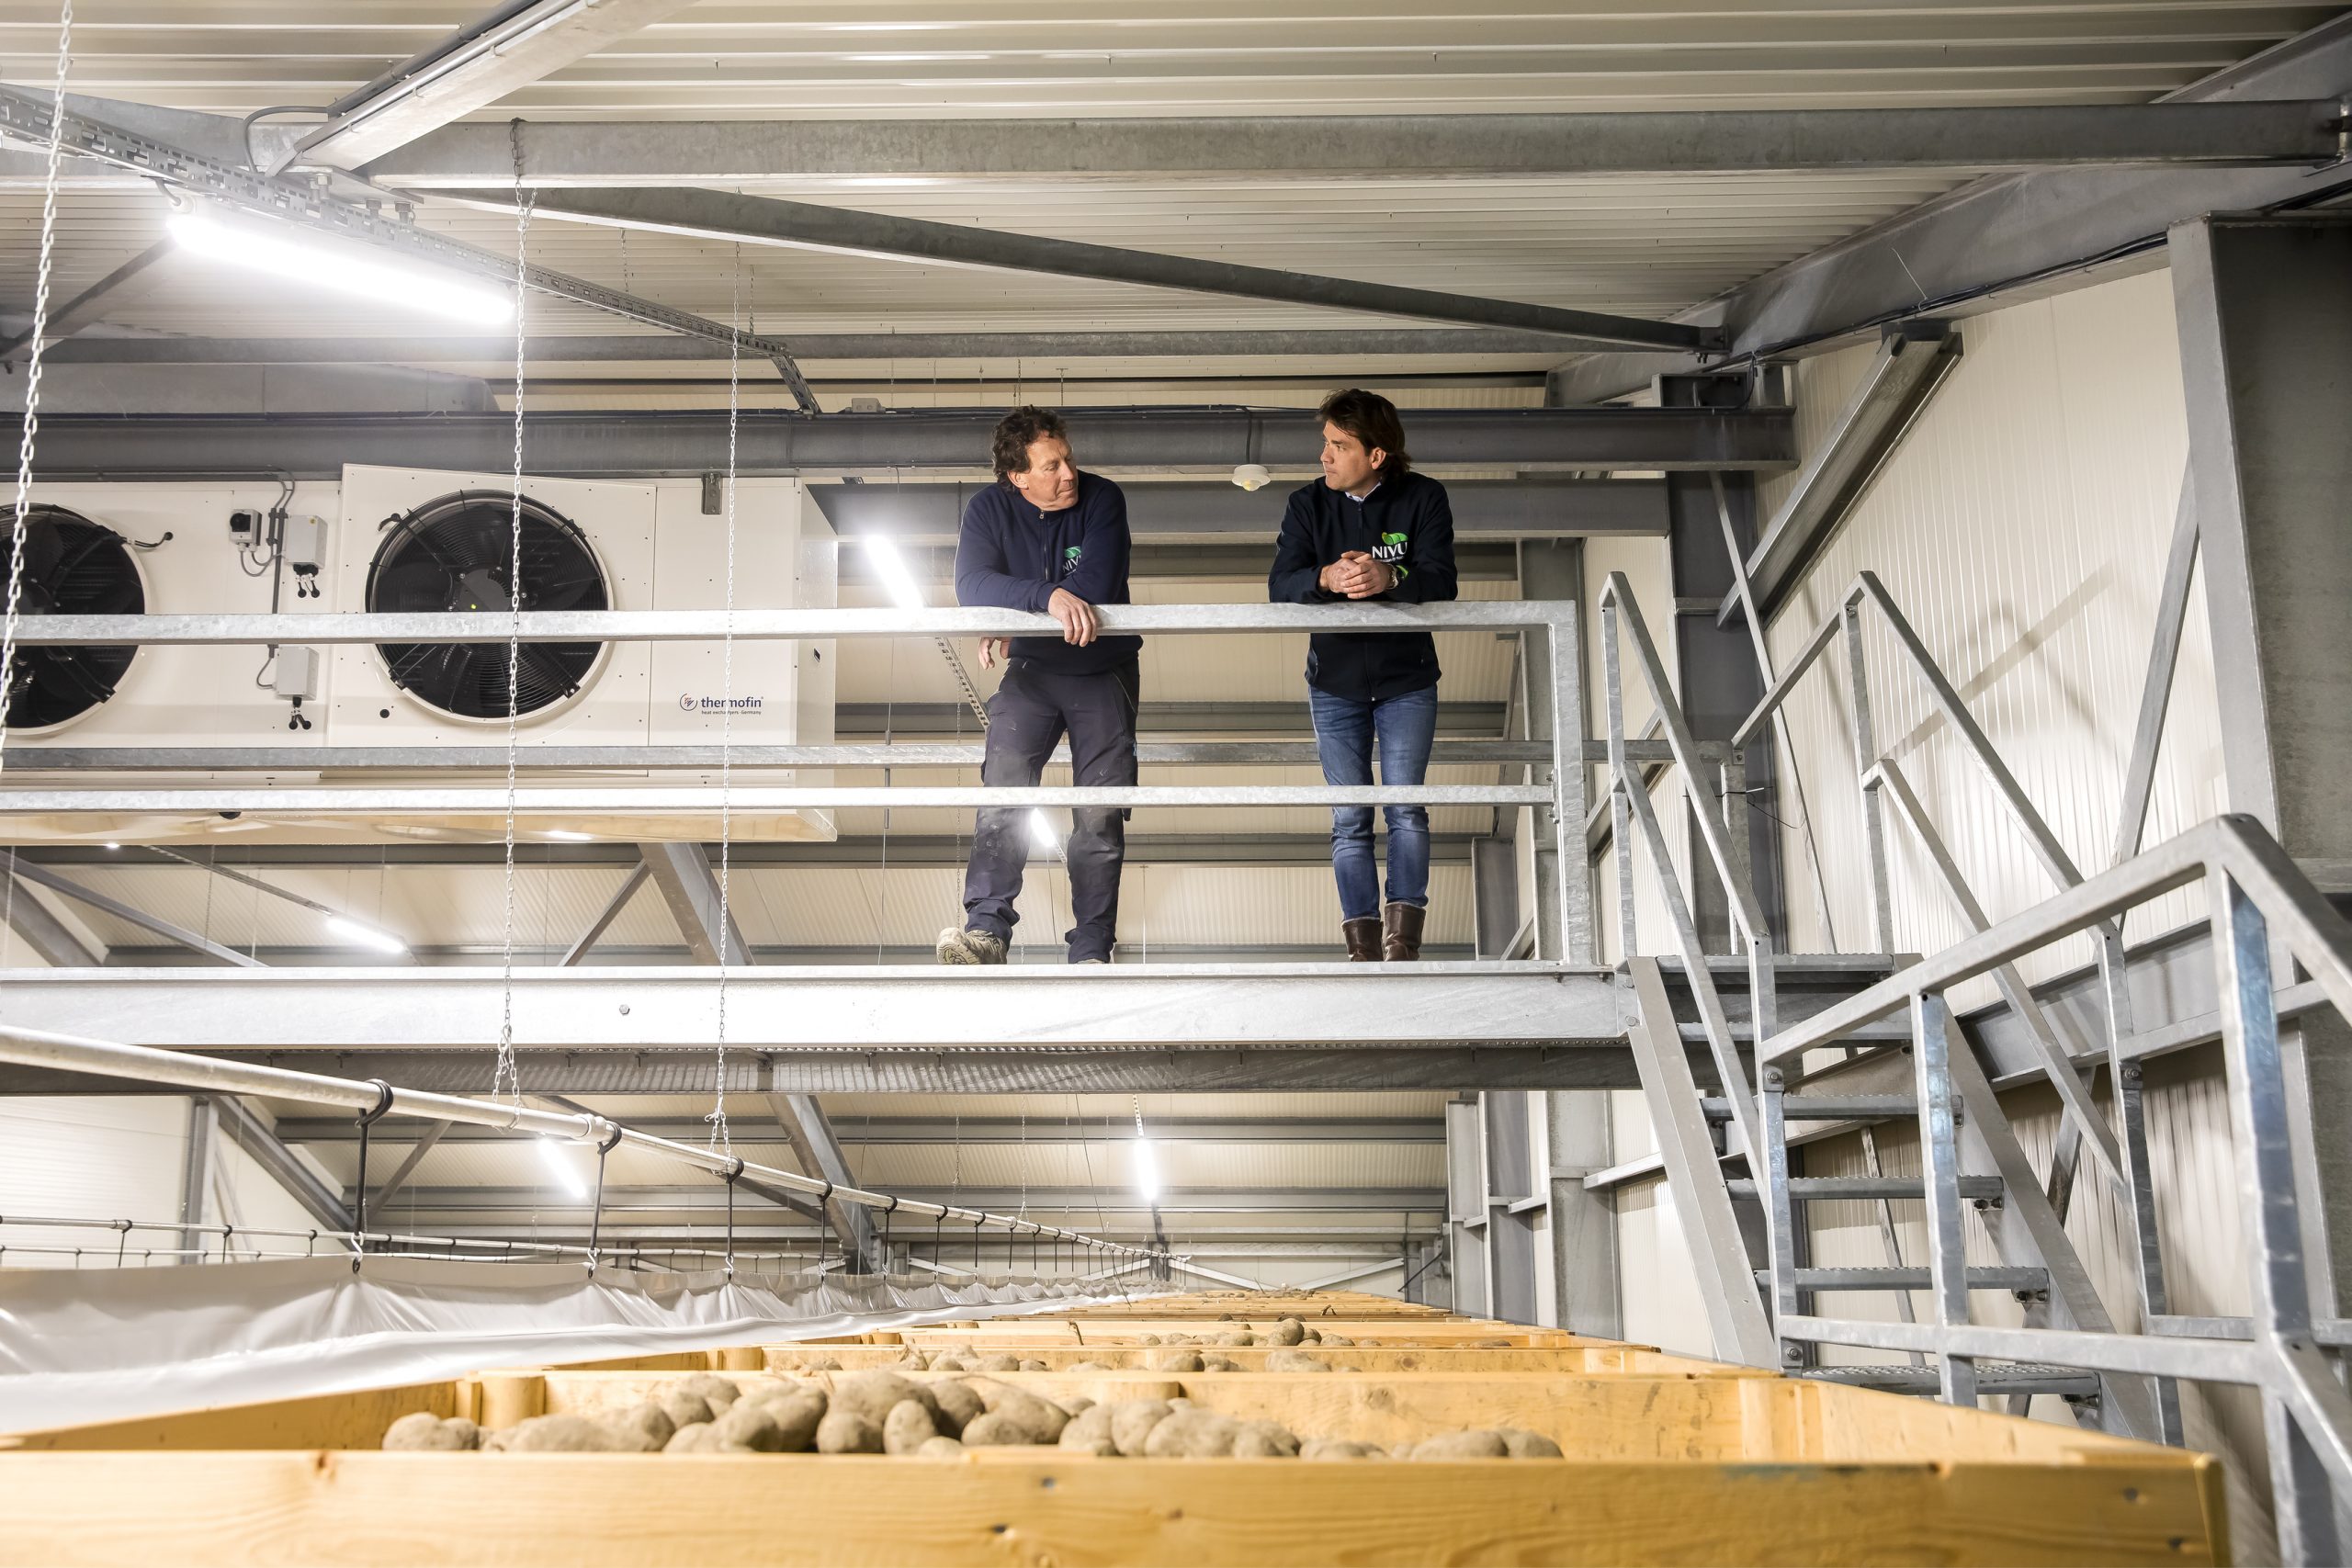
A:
(39, 1048)
(755, 626)
(2263, 906)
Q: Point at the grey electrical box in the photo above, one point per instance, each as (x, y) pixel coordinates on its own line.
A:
(295, 676)
(304, 538)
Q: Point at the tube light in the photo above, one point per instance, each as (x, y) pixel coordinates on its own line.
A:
(561, 1168)
(570, 836)
(891, 568)
(346, 269)
(351, 931)
(1147, 1172)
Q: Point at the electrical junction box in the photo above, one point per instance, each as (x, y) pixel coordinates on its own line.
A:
(305, 539)
(295, 675)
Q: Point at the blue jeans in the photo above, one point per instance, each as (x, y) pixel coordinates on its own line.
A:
(1345, 734)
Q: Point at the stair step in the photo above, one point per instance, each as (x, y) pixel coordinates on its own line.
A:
(1832, 1188)
(1829, 1108)
(1992, 1377)
(1984, 1277)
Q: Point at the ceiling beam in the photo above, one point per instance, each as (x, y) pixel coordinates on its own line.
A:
(725, 216)
(2004, 233)
(1550, 507)
(682, 875)
(620, 1202)
(45, 932)
(641, 444)
(245, 1129)
(516, 44)
(1359, 147)
(28, 871)
(888, 1131)
(1028, 348)
(1242, 1070)
(607, 915)
(132, 278)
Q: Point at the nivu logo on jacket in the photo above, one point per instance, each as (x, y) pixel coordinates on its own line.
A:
(1391, 548)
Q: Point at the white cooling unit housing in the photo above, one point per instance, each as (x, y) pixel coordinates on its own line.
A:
(422, 540)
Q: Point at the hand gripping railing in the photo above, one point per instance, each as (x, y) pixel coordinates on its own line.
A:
(373, 1099)
(2267, 917)
(1562, 794)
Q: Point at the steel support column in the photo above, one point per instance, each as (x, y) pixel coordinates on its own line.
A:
(196, 1173)
(2265, 311)
(1553, 568)
(1583, 1228)
(1465, 1205)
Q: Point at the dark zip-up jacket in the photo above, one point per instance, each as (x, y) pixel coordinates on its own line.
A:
(1012, 556)
(1405, 523)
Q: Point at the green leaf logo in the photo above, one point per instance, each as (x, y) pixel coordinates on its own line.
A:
(1392, 539)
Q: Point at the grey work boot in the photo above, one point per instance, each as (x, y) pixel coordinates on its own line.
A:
(957, 946)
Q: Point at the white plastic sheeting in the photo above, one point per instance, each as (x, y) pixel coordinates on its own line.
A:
(82, 1347)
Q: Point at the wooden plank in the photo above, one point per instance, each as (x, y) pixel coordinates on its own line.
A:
(325, 1421)
(1586, 1361)
(717, 1511)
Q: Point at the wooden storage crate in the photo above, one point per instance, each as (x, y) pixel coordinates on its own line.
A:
(1696, 1462)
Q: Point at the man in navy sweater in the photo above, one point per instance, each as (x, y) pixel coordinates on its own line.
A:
(1371, 529)
(1047, 537)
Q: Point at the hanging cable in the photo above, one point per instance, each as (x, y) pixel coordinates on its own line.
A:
(721, 1139)
(32, 377)
(505, 1079)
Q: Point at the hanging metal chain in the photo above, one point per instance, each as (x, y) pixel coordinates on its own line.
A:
(506, 1079)
(720, 1137)
(32, 380)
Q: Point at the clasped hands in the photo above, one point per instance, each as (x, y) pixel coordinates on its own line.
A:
(1356, 575)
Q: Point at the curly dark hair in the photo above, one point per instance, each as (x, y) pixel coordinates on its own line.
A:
(1371, 419)
(1016, 431)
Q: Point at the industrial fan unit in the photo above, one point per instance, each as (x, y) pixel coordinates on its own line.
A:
(72, 566)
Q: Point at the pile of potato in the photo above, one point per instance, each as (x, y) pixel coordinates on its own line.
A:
(879, 1412)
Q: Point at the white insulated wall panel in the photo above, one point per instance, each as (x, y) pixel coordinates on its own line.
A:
(2022, 527)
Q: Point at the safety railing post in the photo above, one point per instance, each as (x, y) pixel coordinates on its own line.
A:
(1865, 758)
(1940, 1162)
(1567, 700)
(1621, 778)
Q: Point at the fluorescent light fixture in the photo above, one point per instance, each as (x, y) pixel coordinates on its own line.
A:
(351, 931)
(345, 267)
(891, 182)
(891, 568)
(1041, 830)
(1147, 1172)
(559, 1167)
(570, 837)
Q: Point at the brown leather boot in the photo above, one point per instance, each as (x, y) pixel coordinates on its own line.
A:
(1364, 940)
(1400, 934)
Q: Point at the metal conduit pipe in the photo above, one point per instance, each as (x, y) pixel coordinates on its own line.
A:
(210, 1075)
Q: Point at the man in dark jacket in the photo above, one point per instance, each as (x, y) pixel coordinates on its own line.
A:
(1048, 538)
(1371, 529)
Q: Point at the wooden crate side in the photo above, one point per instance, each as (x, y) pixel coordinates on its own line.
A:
(591, 1510)
(322, 1421)
(1579, 1361)
(1861, 1424)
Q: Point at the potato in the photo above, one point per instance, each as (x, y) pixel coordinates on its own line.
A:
(796, 1415)
(1132, 1421)
(423, 1432)
(1041, 1416)
(915, 1362)
(846, 1432)
(1244, 1337)
(1089, 1432)
(1001, 1362)
(1330, 1449)
(1311, 1337)
(1177, 1361)
(749, 1423)
(1032, 1364)
(713, 1390)
(562, 1434)
(1524, 1444)
(683, 1409)
(694, 1440)
(907, 1428)
(1289, 1331)
(873, 1394)
(1147, 1339)
(1294, 1361)
(1192, 1434)
(940, 1447)
(1221, 1364)
(645, 1426)
(1085, 1367)
(1264, 1439)
(1076, 1403)
(1478, 1444)
(1327, 1340)
(824, 1364)
(956, 1402)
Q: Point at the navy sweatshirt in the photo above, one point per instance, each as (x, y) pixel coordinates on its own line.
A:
(1012, 557)
(1405, 523)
